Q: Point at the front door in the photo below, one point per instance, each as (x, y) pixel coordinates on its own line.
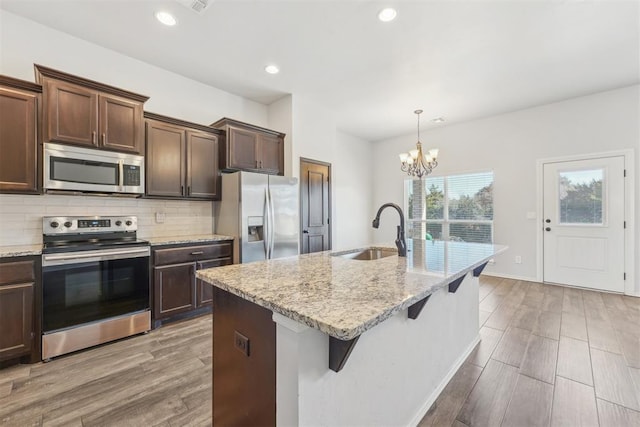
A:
(584, 223)
(314, 207)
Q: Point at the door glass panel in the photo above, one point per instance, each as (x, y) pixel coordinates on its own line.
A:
(581, 195)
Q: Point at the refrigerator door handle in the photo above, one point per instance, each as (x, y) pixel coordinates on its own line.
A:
(272, 227)
(265, 224)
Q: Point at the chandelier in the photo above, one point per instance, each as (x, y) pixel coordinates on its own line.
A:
(414, 163)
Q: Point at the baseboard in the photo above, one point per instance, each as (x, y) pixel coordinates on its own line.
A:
(434, 395)
(529, 279)
(509, 276)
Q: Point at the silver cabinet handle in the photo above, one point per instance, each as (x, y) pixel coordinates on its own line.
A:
(197, 252)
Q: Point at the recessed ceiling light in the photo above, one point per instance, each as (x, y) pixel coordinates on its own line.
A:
(438, 120)
(387, 14)
(272, 69)
(166, 18)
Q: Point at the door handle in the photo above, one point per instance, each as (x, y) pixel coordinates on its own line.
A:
(93, 138)
(547, 220)
(547, 229)
(305, 231)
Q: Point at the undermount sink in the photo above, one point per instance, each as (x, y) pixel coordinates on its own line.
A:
(368, 254)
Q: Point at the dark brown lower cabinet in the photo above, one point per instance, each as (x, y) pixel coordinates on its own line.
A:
(19, 319)
(244, 381)
(176, 291)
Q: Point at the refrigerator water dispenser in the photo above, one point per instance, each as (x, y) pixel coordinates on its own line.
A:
(255, 232)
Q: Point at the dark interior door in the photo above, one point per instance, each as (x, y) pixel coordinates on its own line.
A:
(315, 189)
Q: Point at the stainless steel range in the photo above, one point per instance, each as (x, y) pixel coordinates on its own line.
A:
(95, 282)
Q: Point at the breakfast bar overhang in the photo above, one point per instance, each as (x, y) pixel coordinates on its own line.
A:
(326, 339)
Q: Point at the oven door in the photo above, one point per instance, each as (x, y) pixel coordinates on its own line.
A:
(84, 287)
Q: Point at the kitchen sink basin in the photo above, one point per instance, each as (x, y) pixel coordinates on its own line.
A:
(368, 254)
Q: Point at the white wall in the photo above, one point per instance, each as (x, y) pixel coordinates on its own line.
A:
(280, 119)
(510, 144)
(316, 137)
(352, 173)
(24, 42)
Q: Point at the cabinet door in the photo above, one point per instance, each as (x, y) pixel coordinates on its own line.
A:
(18, 142)
(243, 148)
(165, 159)
(16, 314)
(174, 289)
(71, 114)
(204, 291)
(202, 165)
(271, 154)
(121, 124)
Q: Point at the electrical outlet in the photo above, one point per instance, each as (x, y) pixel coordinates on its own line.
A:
(518, 259)
(241, 343)
(160, 216)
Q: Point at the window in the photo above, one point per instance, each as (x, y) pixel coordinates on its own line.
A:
(456, 207)
(580, 195)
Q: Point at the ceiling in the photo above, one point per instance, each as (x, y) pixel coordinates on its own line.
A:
(454, 59)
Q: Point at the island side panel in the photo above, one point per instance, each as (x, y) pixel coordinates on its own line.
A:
(244, 386)
(394, 373)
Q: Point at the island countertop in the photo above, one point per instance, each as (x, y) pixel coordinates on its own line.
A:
(344, 297)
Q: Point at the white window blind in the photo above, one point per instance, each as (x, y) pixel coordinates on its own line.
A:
(455, 207)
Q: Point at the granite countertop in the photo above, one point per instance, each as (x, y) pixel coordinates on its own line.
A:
(344, 297)
(24, 250)
(20, 250)
(197, 238)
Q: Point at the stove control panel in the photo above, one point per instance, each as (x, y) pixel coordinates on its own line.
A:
(88, 224)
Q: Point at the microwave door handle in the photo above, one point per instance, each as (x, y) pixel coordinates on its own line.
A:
(121, 172)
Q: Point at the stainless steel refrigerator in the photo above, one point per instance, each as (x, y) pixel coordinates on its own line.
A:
(262, 212)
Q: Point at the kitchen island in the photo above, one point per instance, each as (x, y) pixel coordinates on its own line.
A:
(329, 339)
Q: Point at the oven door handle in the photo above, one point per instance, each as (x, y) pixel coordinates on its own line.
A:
(75, 257)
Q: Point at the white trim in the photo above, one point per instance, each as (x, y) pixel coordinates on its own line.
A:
(629, 212)
(436, 392)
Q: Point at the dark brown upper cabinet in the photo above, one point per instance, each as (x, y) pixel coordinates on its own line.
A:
(19, 153)
(84, 112)
(251, 148)
(182, 159)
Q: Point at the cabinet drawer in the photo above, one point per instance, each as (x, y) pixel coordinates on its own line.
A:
(17, 272)
(191, 253)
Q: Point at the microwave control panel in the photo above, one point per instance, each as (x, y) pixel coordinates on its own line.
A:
(131, 175)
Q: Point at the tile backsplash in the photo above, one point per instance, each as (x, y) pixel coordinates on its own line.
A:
(21, 215)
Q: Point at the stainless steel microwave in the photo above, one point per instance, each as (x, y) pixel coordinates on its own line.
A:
(67, 167)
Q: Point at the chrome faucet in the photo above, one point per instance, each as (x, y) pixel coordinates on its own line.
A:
(401, 244)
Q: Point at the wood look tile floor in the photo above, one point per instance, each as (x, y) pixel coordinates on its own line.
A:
(159, 379)
(549, 356)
